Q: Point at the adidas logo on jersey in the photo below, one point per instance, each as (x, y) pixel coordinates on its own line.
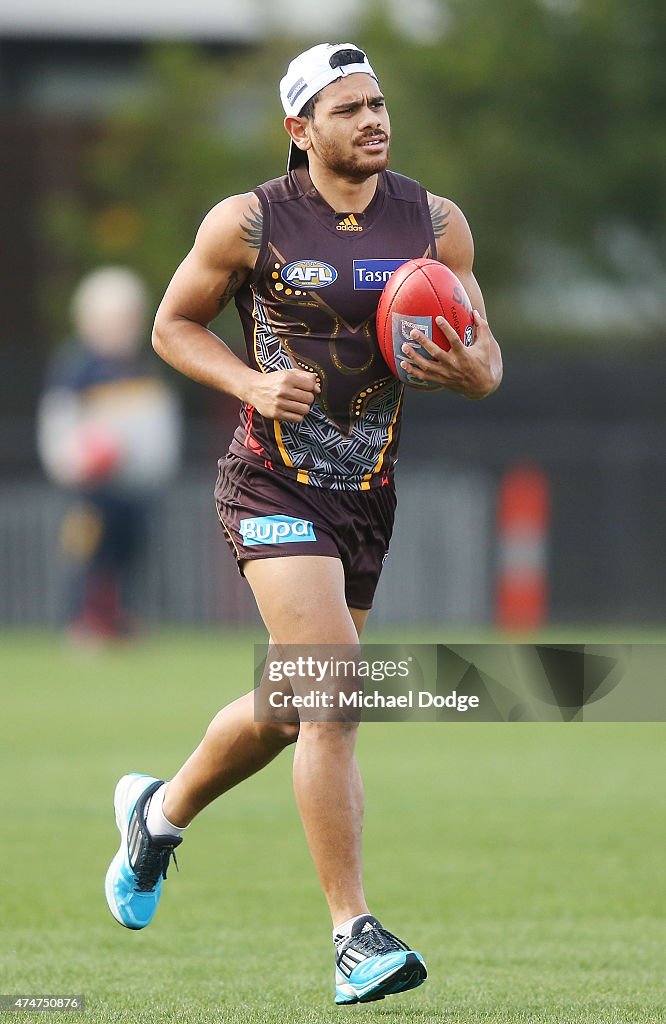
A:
(349, 223)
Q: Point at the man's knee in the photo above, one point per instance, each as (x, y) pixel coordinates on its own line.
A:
(329, 732)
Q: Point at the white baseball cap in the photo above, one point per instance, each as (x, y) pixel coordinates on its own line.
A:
(312, 71)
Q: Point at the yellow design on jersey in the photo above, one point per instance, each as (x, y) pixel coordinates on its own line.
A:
(280, 443)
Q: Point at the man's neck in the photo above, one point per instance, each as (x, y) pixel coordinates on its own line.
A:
(342, 195)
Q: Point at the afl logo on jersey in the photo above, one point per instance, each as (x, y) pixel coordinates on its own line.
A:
(307, 274)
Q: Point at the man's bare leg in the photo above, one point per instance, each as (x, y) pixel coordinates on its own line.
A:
(301, 600)
(233, 748)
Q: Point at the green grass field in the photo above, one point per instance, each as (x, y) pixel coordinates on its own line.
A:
(526, 861)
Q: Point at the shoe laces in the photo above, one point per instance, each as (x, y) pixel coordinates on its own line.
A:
(152, 865)
(373, 941)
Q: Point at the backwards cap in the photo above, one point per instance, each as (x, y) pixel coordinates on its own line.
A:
(312, 71)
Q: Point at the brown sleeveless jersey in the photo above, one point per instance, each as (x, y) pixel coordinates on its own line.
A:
(311, 302)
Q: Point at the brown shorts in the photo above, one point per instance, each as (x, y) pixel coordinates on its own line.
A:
(267, 515)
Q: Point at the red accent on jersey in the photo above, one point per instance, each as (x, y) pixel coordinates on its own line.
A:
(250, 441)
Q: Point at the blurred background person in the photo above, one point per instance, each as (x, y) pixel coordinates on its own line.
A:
(109, 432)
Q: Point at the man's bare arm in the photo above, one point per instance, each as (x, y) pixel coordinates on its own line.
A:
(223, 254)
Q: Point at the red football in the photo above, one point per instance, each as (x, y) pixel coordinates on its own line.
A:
(414, 295)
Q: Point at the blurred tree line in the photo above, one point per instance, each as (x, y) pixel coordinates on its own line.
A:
(542, 119)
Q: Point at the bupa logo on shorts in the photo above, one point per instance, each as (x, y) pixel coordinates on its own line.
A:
(275, 530)
(373, 274)
(307, 274)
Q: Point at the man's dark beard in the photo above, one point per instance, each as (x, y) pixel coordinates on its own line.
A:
(352, 169)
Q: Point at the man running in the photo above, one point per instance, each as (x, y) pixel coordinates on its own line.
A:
(305, 494)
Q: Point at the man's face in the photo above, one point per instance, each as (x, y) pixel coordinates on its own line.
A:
(350, 130)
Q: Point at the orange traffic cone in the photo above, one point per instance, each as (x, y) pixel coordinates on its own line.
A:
(523, 519)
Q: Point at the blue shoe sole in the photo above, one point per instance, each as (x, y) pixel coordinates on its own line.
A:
(409, 975)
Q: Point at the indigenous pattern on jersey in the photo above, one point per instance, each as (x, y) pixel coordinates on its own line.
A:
(311, 303)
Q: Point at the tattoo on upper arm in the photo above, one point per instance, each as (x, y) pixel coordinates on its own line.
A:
(233, 284)
(439, 215)
(252, 226)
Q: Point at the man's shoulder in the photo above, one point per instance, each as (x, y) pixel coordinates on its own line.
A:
(226, 225)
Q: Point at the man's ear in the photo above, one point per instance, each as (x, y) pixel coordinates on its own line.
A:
(296, 128)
